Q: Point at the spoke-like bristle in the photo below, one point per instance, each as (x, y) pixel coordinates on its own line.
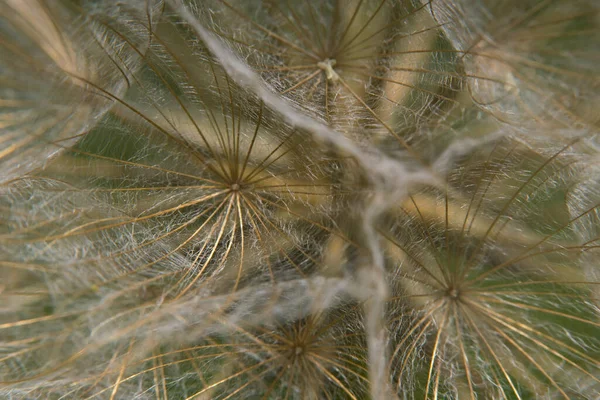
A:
(299, 199)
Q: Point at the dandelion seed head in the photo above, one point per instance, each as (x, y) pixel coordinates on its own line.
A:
(299, 200)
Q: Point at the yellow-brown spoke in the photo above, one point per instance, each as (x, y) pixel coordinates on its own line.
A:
(445, 273)
(374, 114)
(430, 72)
(147, 119)
(141, 165)
(530, 283)
(434, 352)
(461, 346)
(276, 380)
(393, 23)
(237, 374)
(422, 267)
(242, 244)
(269, 49)
(331, 376)
(224, 223)
(503, 211)
(517, 304)
(524, 256)
(513, 342)
(249, 381)
(322, 46)
(425, 321)
(151, 98)
(339, 366)
(358, 50)
(270, 33)
(154, 367)
(522, 329)
(301, 217)
(80, 230)
(301, 33)
(439, 96)
(489, 348)
(287, 68)
(266, 162)
(302, 81)
(344, 46)
(39, 319)
(115, 295)
(268, 225)
(250, 211)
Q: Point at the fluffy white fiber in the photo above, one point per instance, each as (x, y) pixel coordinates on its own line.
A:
(265, 199)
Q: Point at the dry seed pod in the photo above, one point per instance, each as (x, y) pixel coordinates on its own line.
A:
(493, 299)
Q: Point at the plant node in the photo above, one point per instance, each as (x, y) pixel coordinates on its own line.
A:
(327, 66)
(453, 293)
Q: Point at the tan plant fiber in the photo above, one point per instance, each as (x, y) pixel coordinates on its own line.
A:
(273, 199)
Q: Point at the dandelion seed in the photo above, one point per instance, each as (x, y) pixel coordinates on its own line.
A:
(49, 52)
(371, 69)
(493, 300)
(200, 190)
(316, 357)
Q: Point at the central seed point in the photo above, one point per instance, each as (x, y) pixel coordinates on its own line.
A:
(453, 293)
(235, 187)
(327, 66)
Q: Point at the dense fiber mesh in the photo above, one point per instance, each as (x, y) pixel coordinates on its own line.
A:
(267, 199)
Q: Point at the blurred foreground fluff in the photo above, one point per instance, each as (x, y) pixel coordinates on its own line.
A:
(246, 199)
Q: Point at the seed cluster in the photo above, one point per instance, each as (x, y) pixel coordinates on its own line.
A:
(270, 199)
